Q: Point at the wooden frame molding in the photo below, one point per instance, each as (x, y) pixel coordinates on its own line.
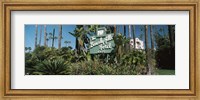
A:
(119, 5)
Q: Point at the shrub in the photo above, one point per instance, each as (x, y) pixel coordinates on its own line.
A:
(51, 67)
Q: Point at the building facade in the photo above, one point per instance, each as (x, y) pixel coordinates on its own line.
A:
(139, 44)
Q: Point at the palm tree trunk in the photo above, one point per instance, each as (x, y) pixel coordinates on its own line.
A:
(115, 30)
(40, 35)
(124, 30)
(146, 39)
(129, 34)
(134, 37)
(60, 36)
(152, 40)
(77, 46)
(45, 36)
(53, 37)
(171, 32)
(149, 69)
(36, 34)
(124, 45)
(47, 43)
(171, 35)
(117, 27)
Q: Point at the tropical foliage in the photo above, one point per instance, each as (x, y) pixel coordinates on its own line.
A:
(123, 60)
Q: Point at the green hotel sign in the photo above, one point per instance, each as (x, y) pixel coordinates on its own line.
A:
(102, 42)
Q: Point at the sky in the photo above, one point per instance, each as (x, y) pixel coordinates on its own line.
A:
(30, 34)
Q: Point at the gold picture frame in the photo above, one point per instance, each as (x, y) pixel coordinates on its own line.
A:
(120, 5)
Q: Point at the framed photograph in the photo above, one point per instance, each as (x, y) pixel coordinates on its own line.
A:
(103, 48)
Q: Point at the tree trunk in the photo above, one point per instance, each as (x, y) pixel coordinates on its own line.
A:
(77, 46)
(47, 43)
(115, 30)
(60, 36)
(149, 70)
(124, 30)
(146, 39)
(171, 32)
(36, 34)
(171, 35)
(45, 36)
(53, 37)
(152, 40)
(134, 37)
(129, 34)
(40, 35)
(125, 45)
(118, 27)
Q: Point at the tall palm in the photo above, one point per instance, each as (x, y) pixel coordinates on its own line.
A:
(171, 31)
(129, 35)
(124, 30)
(120, 40)
(149, 71)
(40, 36)
(152, 40)
(29, 48)
(78, 34)
(60, 36)
(124, 45)
(26, 48)
(50, 38)
(134, 36)
(45, 36)
(115, 31)
(47, 40)
(36, 34)
(126, 34)
(53, 37)
(67, 42)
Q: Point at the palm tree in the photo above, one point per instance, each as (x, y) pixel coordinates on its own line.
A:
(60, 36)
(171, 31)
(124, 45)
(36, 34)
(29, 48)
(40, 35)
(129, 34)
(53, 37)
(45, 36)
(77, 35)
(127, 44)
(115, 30)
(124, 30)
(67, 42)
(26, 48)
(152, 40)
(81, 37)
(149, 69)
(134, 36)
(47, 40)
(50, 38)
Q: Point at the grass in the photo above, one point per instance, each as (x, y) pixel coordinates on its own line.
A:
(165, 72)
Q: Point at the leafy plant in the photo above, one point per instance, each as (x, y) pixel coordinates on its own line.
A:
(51, 67)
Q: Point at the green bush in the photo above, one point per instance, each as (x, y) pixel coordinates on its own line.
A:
(51, 67)
(65, 61)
